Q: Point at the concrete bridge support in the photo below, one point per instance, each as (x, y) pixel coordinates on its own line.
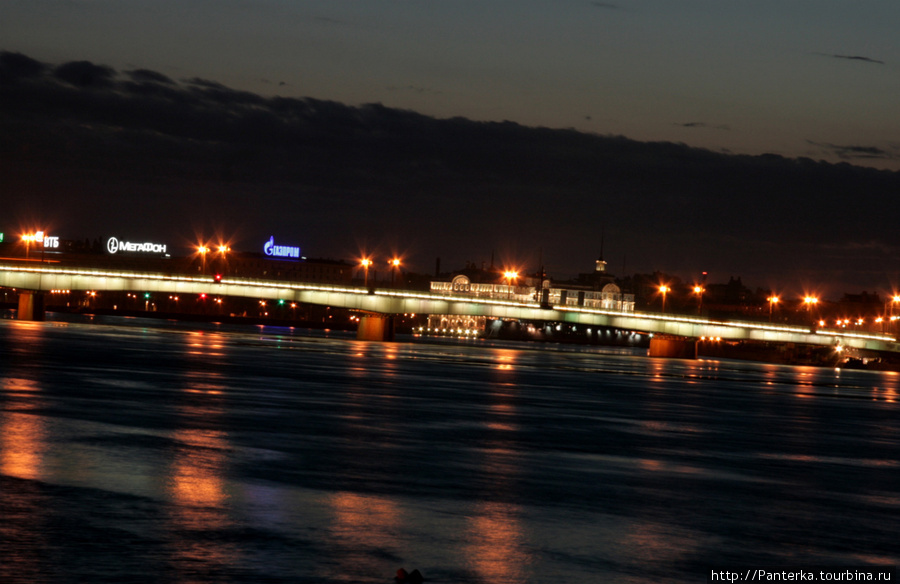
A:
(31, 305)
(673, 347)
(376, 327)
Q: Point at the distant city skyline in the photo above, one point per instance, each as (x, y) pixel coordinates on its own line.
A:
(805, 78)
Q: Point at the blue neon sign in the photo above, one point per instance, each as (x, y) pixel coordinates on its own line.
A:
(280, 251)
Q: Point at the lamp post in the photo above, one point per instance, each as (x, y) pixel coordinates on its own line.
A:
(395, 265)
(699, 290)
(510, 275)
(202, 249)
(663, 289)
(223, 250)
(773, 300)
(810, 301)
(894, 300)
(365, 263)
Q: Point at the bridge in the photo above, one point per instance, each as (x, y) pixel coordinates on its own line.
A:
(674, 333)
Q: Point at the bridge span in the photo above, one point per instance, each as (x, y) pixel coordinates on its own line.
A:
(31, 279)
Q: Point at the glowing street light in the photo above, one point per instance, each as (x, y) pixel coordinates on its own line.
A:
(365, 263)
(773, 300)
(663, 289)
(699, 290)
(810, 302)
(202, 250)
(395, 266)
(895, 299)
(510, 275)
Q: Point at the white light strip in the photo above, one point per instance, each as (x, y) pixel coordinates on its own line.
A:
(270, 284)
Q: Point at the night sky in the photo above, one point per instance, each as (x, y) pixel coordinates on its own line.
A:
(759, 140)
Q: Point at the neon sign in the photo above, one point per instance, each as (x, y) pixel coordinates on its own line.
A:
(280, 251)
(114, 245)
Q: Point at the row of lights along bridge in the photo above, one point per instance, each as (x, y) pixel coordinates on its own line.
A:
(809, 302)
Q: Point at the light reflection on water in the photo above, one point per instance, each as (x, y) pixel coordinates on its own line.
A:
(237, 457)
(22, 445)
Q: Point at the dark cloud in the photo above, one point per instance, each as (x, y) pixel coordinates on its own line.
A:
(14, 66)
(413, 89)
(702, 125)
(854, 58)
(138, 153)
(145, 75)
(85, 74)
(857, 152)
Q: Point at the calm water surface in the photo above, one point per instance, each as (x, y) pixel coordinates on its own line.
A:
(140, 451)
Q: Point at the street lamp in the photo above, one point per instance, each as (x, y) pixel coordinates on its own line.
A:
(395, 265)
(663, 289)
(773, 300)
(510, 275)
(810, 302)
(202, 250)
(699, 290)
(365, 263)
(894, 300)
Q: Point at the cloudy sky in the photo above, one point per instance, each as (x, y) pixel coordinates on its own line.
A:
(749, 139)
(816, 78)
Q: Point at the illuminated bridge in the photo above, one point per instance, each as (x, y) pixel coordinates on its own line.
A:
(379, 304)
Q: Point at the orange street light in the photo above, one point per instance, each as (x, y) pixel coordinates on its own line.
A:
(510, 275)
(699, 290)
(395, 265)
(773, 300)
(202, 250)
(663, 289)
(365, 263)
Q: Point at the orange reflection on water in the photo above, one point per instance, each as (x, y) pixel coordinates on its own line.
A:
(362, 524)
(196, 484)
(198, 469)
(495, 546)
(22, 435)
(506, 359)
(22, 445)
(649, 543)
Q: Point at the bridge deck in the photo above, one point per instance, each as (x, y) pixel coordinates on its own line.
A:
(39, 277)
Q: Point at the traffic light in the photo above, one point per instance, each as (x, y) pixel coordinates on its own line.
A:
(146, 296)
(218, 278)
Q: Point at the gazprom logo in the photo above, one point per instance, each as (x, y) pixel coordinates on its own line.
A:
(280, 251)
(114, 245)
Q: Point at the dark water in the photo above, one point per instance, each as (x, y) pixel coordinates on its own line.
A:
(149, 452)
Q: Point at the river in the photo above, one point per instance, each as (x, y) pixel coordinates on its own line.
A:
(153, 451)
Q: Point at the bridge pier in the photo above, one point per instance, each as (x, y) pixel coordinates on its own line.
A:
(31, 305)
(671, 347)
(376, 327)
